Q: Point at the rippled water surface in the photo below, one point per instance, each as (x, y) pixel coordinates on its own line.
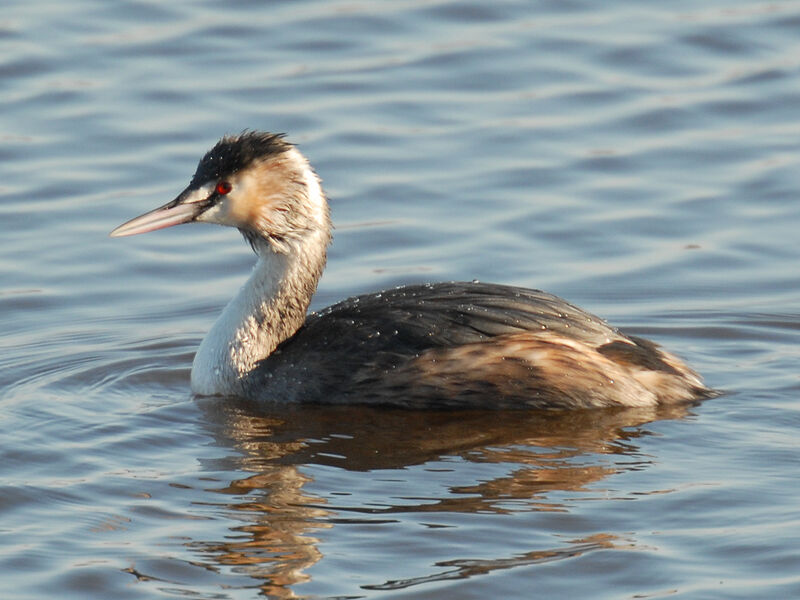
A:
(640, 159)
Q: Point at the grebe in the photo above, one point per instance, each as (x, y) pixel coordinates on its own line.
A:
(442, 345)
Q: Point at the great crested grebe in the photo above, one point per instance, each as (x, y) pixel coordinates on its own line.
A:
(442, 345)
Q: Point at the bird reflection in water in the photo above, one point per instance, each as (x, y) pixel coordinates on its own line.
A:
(537, 455)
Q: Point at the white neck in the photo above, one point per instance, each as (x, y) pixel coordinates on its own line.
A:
(270, 307)
(272, 304)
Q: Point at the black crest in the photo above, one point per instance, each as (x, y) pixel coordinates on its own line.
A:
(233, 153)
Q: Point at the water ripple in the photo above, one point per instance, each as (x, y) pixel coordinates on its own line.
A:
(641, 161)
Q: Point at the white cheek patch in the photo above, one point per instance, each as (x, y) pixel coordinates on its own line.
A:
(201, 194)
(216, 213)
(212, 215)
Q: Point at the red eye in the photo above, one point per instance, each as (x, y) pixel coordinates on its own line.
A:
(223, 187)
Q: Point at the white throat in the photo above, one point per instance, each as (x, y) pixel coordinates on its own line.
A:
(241, 335)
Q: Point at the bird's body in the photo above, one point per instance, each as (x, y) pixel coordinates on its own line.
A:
(444, 345)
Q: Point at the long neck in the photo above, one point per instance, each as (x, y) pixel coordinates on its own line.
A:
(270, 307)
(282, 211)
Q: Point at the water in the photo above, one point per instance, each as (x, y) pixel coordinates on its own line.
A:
(640, 160)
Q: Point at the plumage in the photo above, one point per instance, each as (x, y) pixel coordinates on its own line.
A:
(442, 345)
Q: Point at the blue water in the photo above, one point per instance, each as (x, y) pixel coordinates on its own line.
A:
(640, 160)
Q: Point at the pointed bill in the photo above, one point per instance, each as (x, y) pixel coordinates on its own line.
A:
(183, 209)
